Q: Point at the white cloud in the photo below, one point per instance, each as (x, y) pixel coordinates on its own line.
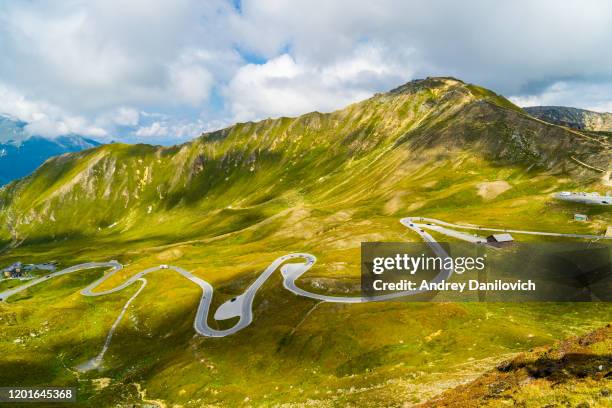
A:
(103, 53)
(48, 126)
(604, 107)
(189, 80)
(44, 118)
(96, 66)
(506, 46)
(126, 116)
(169, 131)
(103, 61)
(285, 87)
(156, 129)
(579, 94)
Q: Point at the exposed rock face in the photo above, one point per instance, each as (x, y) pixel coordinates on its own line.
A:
(573, 117)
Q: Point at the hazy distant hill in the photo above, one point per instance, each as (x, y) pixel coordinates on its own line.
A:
(573, 117)
(21, 154)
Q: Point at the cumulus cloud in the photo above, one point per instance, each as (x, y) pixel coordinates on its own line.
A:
(591, 96)
(190, 81)
(508, 46)
(98, 65)
(285, 86)
(125, 116)
(166, 130)
(501, 46)
(156, 129)
(95, 58)
(104, 52)
(43, 118)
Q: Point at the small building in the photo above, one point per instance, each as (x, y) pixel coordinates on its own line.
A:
(14, 271)
(609, 232)
(499, 240)
(581, 217)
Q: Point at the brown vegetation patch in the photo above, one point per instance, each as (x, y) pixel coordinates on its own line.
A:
(491, 189)
(579, 363)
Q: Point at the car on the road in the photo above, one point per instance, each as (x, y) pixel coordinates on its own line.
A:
(164, 266)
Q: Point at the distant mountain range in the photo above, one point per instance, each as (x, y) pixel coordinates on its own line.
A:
(21, 153)
(580, 119)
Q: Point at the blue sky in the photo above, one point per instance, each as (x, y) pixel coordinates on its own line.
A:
(165, 71)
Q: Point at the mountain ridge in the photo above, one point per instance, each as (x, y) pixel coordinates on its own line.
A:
(576, 118)
(315, 154)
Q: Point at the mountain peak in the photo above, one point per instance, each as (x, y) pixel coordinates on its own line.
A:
(454, 91)
(427, 83)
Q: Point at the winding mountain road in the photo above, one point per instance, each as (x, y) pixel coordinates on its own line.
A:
(290, 272)
(438, 225)
(242, 305)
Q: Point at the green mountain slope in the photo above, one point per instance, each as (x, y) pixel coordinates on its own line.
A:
(229, 202)
(320, 158)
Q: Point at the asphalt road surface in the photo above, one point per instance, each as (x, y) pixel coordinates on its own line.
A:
(437, 225)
